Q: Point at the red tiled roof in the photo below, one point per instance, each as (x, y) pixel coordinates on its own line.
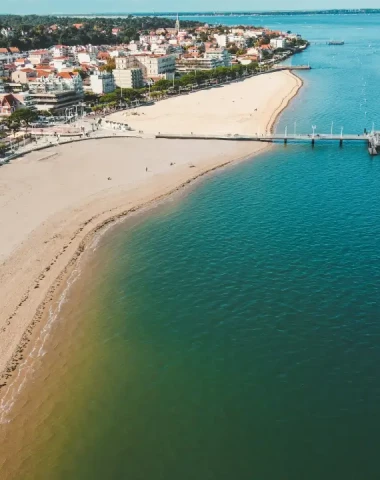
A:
(67, 75)
(7, 99)
(39, 52)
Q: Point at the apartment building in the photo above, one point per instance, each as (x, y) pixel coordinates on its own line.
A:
(56, 92)
(157, 65)
(102, 82)
(186, 65)
(128, 77)
(219, 54)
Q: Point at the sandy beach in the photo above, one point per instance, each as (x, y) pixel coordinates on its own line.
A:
(247, 107)
(52, 202)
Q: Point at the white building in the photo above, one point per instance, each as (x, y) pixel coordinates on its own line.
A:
(186, 65)
(36, 57)
(157, 65)
(102, 82)
(85, 57)
(60, 63)
(60, 51)
(128, 77)
(239, 40)
(222, 40)
(220, 54)
(278, 42)
(128, 61)
(56, 92)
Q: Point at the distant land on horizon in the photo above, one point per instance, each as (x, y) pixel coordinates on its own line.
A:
(232, 13)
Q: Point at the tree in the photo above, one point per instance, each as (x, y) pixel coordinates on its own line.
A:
(13, 125)
(109, 66)
(23, 117)
(233, 49)
(83, 75)
(162, 85)
(250, 42)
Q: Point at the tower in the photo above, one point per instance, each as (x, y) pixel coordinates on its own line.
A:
(177, 25)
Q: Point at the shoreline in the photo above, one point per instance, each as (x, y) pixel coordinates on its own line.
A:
(56, 278)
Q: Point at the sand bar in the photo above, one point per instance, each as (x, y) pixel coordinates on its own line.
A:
(53, 201)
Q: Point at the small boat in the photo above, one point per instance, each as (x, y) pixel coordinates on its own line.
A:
(335, 42)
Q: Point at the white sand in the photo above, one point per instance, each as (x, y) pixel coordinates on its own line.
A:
(51, 201)
(246, 107)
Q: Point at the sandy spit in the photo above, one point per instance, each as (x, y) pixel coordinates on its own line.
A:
(52, 206)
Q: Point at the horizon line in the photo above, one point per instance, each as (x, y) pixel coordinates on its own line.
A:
(174, 12)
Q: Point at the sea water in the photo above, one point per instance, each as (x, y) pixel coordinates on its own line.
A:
(233, 332)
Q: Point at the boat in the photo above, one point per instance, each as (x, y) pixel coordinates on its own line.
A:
(335, 42)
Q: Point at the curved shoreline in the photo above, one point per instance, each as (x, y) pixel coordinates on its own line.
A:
(84, 235)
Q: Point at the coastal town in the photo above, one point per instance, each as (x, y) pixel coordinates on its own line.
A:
(61, 82)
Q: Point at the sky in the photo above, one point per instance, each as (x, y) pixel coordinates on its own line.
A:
(99, 6)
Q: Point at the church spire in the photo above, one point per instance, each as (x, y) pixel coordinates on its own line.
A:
(177, 25)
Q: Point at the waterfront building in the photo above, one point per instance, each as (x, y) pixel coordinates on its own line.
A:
(191, 64)
(219, 54)
(280, 42)
(128, 77)
(157, 65)
(102, 82)
(56, 92)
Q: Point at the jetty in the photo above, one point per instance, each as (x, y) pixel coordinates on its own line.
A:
(372, 139)
(291, 68)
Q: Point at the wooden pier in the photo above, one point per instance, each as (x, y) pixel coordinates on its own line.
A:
(372, 139)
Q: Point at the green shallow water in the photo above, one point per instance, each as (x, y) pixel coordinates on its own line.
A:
(233, 333)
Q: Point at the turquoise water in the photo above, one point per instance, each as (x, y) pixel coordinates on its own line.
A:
(237, 330)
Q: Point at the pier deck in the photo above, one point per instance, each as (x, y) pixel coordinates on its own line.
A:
(372, 139)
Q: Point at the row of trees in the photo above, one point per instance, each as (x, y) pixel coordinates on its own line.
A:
(34, 31)
(163, 87)
(198, 77)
